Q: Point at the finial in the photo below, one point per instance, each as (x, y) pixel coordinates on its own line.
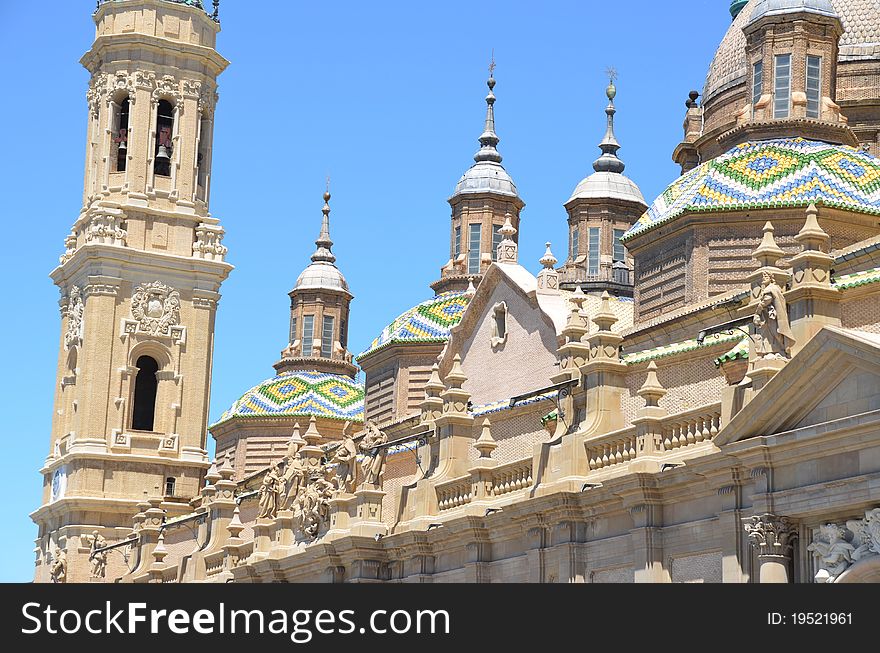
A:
(605, 318)
(489, 139)
(470, 289)
(485, 444)
(652, 391)
(812, 236)
(608, 161)
(548, 260)
(768, 252)
(507, 249)
(216, 14)
(323, 243)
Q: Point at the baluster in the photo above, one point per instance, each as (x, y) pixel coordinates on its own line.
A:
(676, 433)
(713, 428)
(691, 433)
(632, 448)
(704, 435)
(605, 455)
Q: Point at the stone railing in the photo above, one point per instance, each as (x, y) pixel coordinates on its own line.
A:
(691, 427)
(612, 449)
(454, 493)
(511, 477)
(214, 563)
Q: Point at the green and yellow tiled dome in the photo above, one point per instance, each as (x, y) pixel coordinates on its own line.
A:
(773, 173)
(429, 321)
(301, 394)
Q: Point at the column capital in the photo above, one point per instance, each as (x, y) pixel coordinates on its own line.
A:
(771, 535)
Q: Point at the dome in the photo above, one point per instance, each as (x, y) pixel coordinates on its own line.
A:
(608, 185)
(486, 176)
(321, 275)
(430, 321)
(860, 39)
(300, 394)
(782, 172)
(776, 7)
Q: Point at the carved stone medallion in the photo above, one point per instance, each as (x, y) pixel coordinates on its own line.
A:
(155, 308)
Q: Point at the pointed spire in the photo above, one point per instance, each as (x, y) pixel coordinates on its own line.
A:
(323, 253)
(608, 161)
(486, 444)
(605, 318)
(768, 252)
(489, 139)
(652, 390)
(548, 260)
(507, 249)
(812, 236)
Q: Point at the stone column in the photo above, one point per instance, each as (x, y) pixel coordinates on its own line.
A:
(772, 535)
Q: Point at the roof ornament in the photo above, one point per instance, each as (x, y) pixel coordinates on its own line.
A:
(489, 139)
(608, 161)
(507, 249)
(323, 253)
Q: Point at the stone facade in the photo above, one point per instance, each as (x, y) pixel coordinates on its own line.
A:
(719, 425)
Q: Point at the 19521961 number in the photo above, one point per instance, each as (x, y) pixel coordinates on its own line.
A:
(810, 618)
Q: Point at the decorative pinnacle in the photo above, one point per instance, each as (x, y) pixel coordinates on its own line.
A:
(768, 252)
(489, 139)
(608, 161)
(323, 253)
(548, 260)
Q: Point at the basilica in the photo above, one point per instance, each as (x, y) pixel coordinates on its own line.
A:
(689, 392)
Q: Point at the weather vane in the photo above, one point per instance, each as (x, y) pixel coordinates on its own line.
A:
(328, 183)
(492, 63)
(611, 71)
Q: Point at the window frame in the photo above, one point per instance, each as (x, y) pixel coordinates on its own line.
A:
(327, 344)
(593, 253)
(757, 83)
(473, 260)
(617, 234)
(308, 343)
(781, 92)
(817, 91)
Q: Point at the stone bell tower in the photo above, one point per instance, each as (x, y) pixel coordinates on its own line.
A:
(139, 283)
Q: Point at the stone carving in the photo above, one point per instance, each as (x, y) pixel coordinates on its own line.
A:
(774, 336)
(345, 458)
(167, 89)
(155, 308)
(834, 553)
(75, 308)
(97, 557)
(69, 249)
(311, 508)
(144, 79)
(106, 228)
(373, 465)
(97, 89)
(771, 535)
(207, 101)
(208, 243)
(58, 570)
(837, 547)
(123, 82)
(270, 493)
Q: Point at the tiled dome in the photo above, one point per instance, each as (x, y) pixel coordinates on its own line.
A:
(300, 394)
(321, 275)
(774, 173)
(429, 321)
(860, 40)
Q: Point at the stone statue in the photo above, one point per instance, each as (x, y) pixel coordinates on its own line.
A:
(294, 477)
(774, 336)
(833, 552)
(270, 493)
(58, 571)
(98, 558)
(345, 458)
(373, 464)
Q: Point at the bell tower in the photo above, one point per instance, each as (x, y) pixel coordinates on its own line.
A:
(139, 282)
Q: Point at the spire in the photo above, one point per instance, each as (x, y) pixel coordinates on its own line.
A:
(489, 139)
(323, 253)
(608, 161)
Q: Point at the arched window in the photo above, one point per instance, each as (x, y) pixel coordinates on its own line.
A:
(120, 137)
(145, 384)
(164, 134)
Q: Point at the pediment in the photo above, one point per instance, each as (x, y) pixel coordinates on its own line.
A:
(835, 375)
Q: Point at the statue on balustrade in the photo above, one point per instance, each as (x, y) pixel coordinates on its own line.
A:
(345, 457)
(97, 557)
(372, 446)
(270, 493)
(773, 336)
(58, 570)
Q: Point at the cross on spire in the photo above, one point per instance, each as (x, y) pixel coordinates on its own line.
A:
(492, 64)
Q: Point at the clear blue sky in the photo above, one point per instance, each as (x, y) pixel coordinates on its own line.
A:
(386, 98)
